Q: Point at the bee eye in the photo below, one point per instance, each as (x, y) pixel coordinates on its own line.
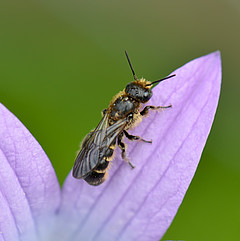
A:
(146, 96)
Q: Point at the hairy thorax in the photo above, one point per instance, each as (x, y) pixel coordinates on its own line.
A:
(122, 107)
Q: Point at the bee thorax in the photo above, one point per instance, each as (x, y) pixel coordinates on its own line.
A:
(122, 107)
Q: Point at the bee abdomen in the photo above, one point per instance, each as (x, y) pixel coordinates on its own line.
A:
(96, 178)
(102, 166)
(99, 174)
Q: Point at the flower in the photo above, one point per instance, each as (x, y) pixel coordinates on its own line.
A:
(137, 204)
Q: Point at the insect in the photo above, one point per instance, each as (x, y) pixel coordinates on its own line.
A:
(123, 112)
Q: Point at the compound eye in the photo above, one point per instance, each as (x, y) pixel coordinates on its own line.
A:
(146, 96)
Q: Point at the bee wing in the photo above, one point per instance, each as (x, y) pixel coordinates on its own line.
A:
(114, 130)
(87, 157)
(95, 145)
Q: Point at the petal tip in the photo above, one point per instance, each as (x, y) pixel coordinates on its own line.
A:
(216, 54)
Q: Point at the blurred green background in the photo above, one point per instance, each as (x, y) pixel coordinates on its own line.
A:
(62, 61)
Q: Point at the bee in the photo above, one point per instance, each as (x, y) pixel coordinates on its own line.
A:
(124, 111)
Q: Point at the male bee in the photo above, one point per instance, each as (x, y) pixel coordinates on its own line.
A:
(123, 112)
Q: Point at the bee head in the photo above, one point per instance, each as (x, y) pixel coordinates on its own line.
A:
(139, 91)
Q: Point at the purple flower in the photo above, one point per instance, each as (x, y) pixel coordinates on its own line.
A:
(137, 204)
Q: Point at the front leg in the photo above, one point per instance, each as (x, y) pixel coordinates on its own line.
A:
(146, 109)
(122, 146)
(135, 138)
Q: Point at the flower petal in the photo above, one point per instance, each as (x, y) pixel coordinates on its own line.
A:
(140, 204)
(28, 184)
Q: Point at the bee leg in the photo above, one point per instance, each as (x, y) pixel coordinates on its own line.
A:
(135, 138)
(122, 146)
(146, 109)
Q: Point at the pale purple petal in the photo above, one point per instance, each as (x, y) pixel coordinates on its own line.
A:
(28, 185)
(140, 204)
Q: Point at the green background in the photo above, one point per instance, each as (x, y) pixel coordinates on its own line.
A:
(62, 61)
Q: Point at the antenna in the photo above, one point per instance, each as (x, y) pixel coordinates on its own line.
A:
(157, 81)
(134, 76)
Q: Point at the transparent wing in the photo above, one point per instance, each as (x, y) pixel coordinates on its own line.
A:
(95, 145)
(87, 157)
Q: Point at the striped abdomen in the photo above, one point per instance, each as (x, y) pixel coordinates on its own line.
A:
(99, 174)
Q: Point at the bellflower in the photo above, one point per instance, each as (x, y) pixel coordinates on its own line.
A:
(137, 204)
